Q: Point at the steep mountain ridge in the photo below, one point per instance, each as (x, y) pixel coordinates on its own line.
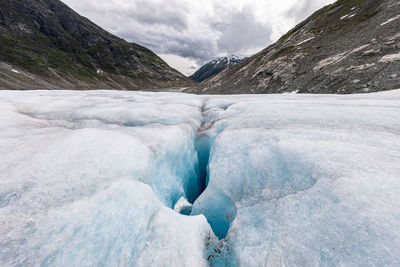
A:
(45, 44)
(351, 46)
(215, 66)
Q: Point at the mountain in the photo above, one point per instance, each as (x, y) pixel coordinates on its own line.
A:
(214, 67)
(45, 44)
(351, 46)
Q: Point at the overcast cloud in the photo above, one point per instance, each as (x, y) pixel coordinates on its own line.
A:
(188, 33)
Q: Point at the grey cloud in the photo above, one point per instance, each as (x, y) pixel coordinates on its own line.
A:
(153, 14)
(238, 31)
(199, 49)
(168, 27)
(242, 31)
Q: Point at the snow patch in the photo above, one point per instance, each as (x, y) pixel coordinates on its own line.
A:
(390, 58)
(352, 15)
(345, 16)
(292, 92)
(348, 16)
(305, 41)
(390, 20)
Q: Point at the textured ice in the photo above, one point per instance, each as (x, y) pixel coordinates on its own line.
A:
(305, 181)
(100, 179)
(90, 179)
(183, 206)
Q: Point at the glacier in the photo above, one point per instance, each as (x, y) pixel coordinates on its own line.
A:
(112, 178)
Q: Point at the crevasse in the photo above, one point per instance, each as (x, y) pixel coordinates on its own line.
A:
(92, 178)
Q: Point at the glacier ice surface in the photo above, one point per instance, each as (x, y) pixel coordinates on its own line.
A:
(183, 206)
(106, 178)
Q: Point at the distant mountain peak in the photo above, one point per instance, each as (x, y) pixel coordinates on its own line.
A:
(215, 66)
(350, 46)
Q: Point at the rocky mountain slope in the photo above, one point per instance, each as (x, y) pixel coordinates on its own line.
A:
(351, 46)
(214, 67)
(45, 44)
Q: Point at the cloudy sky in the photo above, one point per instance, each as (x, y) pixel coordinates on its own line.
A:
(188, 33)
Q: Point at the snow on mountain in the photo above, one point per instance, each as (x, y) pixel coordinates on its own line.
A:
(92, 178)
(215, 66)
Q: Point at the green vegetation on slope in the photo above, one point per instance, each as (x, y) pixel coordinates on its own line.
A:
(36, 35)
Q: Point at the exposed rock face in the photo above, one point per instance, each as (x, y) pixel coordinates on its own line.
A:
(214, 67)
(45, 44)
(351, 46)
